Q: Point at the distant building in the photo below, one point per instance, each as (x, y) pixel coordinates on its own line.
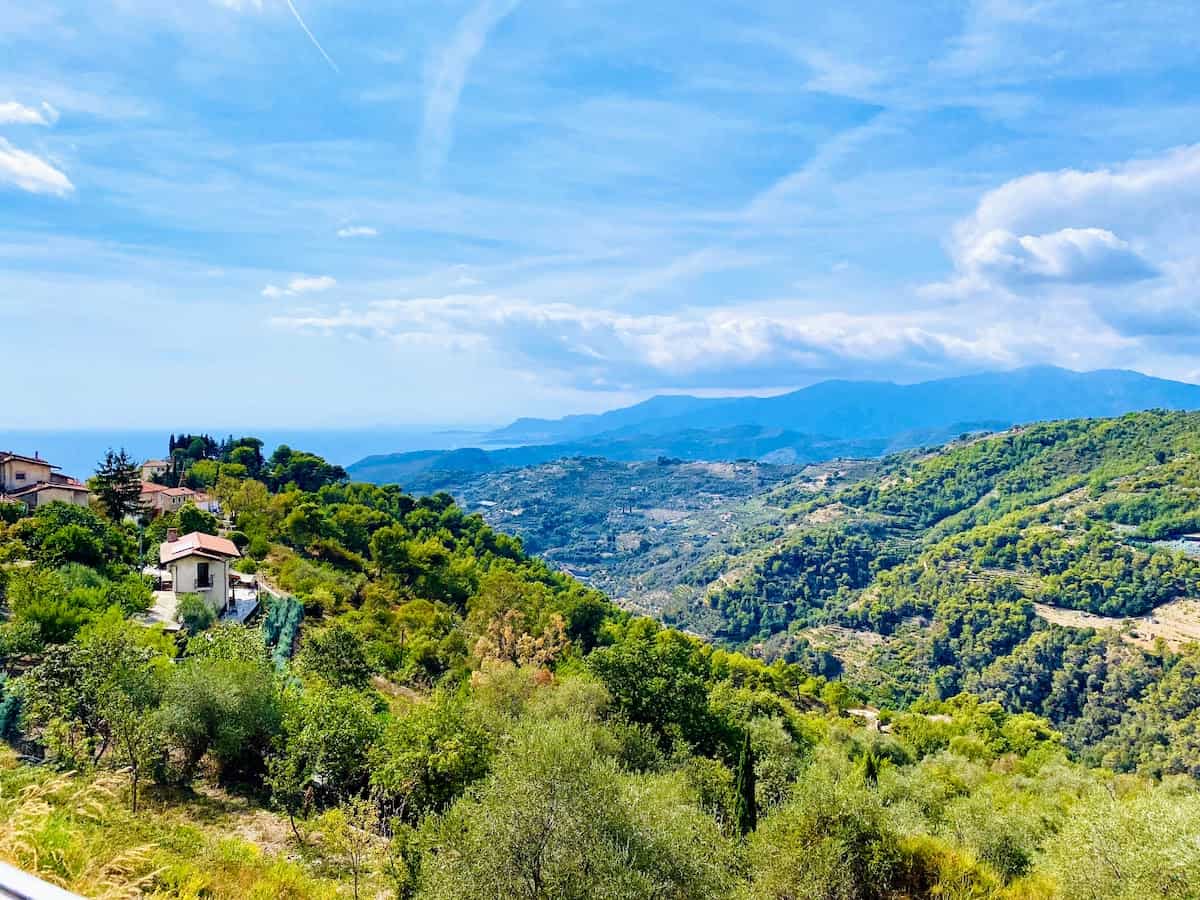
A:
(200, 564)
(158, 499)
(35, 482)
(19, 472)
(1191, 538)
(153, 468)
(71, 492)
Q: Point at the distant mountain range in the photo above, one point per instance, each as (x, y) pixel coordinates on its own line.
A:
(825, 421)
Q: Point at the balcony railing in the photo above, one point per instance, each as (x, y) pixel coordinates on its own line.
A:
(18, 885)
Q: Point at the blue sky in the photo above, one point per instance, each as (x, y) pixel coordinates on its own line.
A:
(263, 212)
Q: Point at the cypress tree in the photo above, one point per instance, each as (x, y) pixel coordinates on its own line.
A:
(871, 765)
(746, 809)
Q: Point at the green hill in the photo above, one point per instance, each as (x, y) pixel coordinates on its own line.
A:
(428, 711)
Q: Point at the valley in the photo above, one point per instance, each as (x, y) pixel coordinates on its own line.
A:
(956, 652)
(928, 571)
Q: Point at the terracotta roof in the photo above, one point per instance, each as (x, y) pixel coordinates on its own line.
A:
(149, 487)
(156, 462)
(180, 492)
(45, 485)
(7, 456)
(197, 544)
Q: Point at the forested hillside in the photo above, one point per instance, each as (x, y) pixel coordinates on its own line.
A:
(427, 711)
(944, 572)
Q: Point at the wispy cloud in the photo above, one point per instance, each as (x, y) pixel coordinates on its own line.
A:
(257, 6)
(820, 166)
(448, 73)
(31, 173)
(301, 285)
(357, 231)
(312, 37)
(13, 113)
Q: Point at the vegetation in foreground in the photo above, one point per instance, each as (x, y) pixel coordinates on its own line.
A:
(432, 713)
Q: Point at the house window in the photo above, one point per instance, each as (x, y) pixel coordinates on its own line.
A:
(20, 476)
(203, 576)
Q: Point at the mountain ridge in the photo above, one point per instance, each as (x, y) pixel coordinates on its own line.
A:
(1043, 384)
(818, 423)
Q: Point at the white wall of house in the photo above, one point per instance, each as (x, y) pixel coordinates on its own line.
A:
(186, 579)
(53, 494)
(17, 473)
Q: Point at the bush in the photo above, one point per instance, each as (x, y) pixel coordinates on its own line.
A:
(832, 839)
(194, 613)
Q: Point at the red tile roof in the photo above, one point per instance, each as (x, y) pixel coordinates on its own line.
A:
(197, 544)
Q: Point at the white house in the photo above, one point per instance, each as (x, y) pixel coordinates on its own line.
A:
(200, 564)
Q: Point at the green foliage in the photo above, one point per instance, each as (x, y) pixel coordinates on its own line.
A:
(61, 533)
(415, 746)
(57, 604)
(118, 485)
(746, 808)
(832, 839)
(556, 819)
(335, 654)
(96, 693)
(194, 613)
(429, 756)
(657, 678)
(1129, 848)
(802, 575)
(328, 734)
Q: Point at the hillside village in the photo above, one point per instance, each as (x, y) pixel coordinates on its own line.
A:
(194, 564)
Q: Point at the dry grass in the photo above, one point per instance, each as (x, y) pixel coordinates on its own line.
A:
(76, 831)
(1177, 623)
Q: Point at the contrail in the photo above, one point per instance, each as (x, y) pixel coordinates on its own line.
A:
(312, 37)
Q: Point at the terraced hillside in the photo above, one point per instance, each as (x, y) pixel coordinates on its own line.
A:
(1046, 567)
(641, 531)
(1039, 567)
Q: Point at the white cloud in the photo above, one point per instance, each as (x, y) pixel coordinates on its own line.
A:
(448, 73)
(13, 113)
(301, 285)
(1121, 238)
(1093, 232)
(604, 349)
(356, 231)
(31, 173)
(1070, 255)
(1137, 196)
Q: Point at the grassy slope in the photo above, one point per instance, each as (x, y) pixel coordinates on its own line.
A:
(77, 831)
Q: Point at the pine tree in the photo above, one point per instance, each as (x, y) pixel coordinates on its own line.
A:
(746, 809)
(118, 485)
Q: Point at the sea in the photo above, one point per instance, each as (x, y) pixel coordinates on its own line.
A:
(77, 453)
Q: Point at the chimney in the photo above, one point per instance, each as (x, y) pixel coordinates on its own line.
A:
(172, 535)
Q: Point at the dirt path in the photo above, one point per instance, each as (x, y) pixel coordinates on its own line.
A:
(1177, 623)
